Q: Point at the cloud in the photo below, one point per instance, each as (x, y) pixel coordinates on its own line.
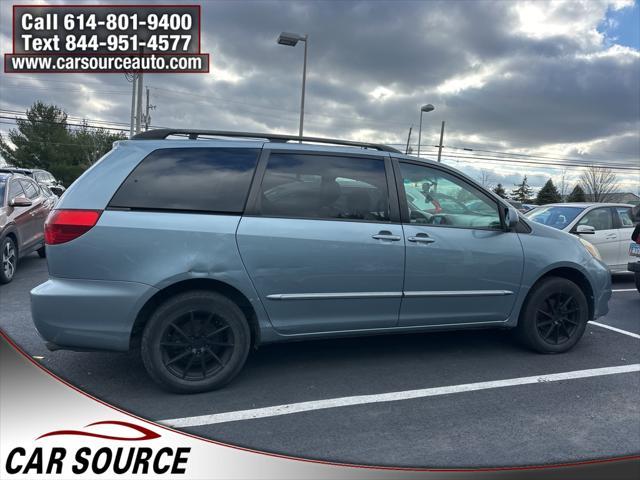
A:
(533, 77)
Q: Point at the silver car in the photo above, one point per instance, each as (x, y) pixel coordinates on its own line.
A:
(608, 226)
(197, 250)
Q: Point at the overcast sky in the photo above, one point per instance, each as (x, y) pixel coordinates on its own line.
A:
(558, 79)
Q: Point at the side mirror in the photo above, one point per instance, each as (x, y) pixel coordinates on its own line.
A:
(585, 230)
(511, 217)
(20, 202)
(57, 189)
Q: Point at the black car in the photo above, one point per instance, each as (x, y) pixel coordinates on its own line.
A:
(42, 177)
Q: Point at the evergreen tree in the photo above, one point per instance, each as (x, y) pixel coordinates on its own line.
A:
(548, 194)
(44, 140)
(577, 194)
(499, 190)
(522, 192)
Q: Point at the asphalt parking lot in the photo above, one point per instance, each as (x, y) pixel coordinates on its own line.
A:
(438, 399)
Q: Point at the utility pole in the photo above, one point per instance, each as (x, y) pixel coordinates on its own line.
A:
(133, 102)
(441, 138)
(147, 116)
(406, 152)
(139, 104)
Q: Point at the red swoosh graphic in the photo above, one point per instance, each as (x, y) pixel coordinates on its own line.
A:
(146, 433)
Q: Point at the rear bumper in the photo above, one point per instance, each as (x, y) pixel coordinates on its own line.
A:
(87, 314)
(634, 267)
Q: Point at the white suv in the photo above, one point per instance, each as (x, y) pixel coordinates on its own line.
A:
(608, 226)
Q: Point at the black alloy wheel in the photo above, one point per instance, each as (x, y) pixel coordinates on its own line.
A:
(197, 345)
(554, 316)
(558, 318)
(195, 341)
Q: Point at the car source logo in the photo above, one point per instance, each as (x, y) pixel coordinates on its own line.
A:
(122, 460)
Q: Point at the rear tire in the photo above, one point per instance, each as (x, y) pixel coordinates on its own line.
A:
(42, 253)
(8, 260)
(554, 316)
(636, 276)
(195, 342)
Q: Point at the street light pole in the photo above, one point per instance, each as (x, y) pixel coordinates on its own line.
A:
(425, 108)
(291, 40)
(304, 82)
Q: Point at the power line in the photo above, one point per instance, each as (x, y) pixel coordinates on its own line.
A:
(59, 123)
(22, 86)
(543, 160)
(485, 159)
(524, 154)
(516, 154)
(501, 161)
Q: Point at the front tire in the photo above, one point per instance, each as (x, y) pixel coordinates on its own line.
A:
(8, 260)
(42, 252)
(195, 342)
(554, 316)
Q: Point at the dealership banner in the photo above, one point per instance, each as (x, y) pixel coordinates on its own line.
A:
(106, 39)
(51, 429)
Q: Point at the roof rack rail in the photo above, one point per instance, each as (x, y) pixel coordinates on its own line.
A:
(162, 133)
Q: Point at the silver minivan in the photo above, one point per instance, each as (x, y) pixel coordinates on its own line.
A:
(198, 245)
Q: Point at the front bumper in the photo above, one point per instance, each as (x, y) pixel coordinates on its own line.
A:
(87, 314)
(634, 267)
(600, 279)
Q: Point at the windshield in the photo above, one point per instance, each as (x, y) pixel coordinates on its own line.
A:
(556, 217)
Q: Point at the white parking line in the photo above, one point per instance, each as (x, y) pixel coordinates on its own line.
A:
(389, 397)
(619, 330)
(625, 290)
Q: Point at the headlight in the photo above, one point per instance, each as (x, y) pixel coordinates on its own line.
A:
(590, 248)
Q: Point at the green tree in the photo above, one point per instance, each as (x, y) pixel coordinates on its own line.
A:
(548, 194)
(44, 140)
(522, 192)
(577, 194)
(93, 143)
(499, 190)
(40, 141)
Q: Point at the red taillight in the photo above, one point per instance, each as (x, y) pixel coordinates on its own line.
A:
(65, 225)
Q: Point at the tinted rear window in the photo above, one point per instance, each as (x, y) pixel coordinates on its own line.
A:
(329, 187)
(192, 179)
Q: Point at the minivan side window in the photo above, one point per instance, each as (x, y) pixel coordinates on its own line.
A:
(324, 187)
(213, 180)
(437, 198)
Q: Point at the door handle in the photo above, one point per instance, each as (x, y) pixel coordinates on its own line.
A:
(386, 235)
(421, 238)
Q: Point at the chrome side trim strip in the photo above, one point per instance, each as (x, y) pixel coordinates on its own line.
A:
(409, 328)
(325, 296)
(458, 293)
(413, 294)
